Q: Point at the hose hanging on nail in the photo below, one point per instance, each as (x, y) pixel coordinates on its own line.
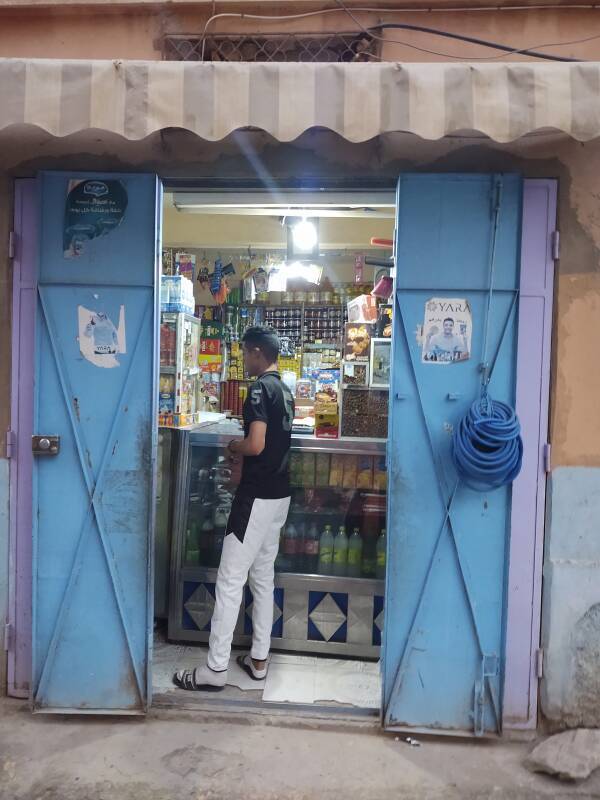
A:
(487, 445)
(487, 448)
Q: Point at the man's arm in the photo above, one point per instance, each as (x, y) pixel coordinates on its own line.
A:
(253, 444)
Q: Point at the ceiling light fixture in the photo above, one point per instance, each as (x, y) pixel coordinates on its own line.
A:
(305, 236)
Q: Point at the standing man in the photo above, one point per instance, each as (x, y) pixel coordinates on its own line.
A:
(258, 513)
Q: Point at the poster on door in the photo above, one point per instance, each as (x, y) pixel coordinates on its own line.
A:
(447, 331)
(93, 208)
(100, 341)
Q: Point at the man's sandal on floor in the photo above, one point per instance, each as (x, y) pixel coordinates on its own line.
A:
(201, 679)
(246, 663)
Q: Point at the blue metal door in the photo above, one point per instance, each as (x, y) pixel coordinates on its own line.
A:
(445, 593)
(95, 390)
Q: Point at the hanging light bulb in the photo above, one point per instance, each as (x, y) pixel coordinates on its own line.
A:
(305, 236)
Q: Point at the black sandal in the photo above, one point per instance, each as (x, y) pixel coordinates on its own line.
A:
(186, 679)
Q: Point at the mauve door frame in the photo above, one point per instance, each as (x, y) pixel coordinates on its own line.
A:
(528, 505)
(21, 415)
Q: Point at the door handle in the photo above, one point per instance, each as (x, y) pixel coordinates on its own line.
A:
(45, 445)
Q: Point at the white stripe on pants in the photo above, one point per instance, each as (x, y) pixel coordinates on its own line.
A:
(254, 560)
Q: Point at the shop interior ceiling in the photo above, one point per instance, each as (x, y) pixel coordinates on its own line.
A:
(217, 226)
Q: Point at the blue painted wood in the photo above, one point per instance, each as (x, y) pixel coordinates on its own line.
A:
(93, 503)
(447, 547)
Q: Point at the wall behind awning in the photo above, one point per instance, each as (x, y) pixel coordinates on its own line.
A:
(358, 101)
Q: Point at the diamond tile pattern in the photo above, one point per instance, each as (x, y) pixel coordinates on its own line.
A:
(200, 606)
(327, 617)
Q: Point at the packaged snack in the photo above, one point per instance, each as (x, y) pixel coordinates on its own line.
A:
(336, 470)
(326, 390)
(322, 470)
(327, 422)
(350, 472)
(384, 322)
(357, 341)
(304, 389)
(363, 309)
(364, 476)
(295, 468)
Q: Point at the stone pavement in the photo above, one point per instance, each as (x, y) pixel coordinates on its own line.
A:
(188, 756)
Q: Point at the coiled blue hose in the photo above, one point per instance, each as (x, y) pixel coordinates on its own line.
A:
(487, 448)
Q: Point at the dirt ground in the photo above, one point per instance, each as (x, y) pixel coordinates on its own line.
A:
(182, 755)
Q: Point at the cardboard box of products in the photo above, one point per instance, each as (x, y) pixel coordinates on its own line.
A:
(327, 423)
(362, 309)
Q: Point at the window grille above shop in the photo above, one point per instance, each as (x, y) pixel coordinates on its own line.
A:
(277, 47)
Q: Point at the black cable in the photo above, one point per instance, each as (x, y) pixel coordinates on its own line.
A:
(470, 39)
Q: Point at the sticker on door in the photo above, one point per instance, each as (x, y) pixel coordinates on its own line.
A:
(100, 342)
(447, 330)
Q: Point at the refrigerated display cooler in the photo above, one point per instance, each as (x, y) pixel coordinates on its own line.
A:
(180, 379)
(326, 600)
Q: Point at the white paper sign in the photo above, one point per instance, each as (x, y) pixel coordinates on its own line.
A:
(99, 340)
(447, 330)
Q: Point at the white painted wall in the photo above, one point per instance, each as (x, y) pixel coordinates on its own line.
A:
(570, 690)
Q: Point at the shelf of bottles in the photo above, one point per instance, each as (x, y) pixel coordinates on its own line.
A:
(331, 561)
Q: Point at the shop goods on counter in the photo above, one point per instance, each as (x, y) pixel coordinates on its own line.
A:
(365, 413)
(357, 341)
(354, 374)
(176, 294)
(362, 309)
(384, 322)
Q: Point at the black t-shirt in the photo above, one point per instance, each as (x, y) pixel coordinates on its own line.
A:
(267, 476)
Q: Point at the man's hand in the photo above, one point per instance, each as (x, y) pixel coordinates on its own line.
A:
(232, 454)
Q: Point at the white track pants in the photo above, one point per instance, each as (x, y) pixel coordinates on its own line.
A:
(249, 552)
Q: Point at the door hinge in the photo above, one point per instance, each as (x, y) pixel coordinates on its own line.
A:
(8, 636)
(11, 244)
(539, 662)
(11, 444)
(547, 458)
(555, 244)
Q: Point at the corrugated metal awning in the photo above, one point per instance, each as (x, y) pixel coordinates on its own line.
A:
(358, 101)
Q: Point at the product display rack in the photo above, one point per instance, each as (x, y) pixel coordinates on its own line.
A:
(179, 389)
(319, 613)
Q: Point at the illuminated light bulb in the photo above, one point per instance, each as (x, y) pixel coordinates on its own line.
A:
(305, 236)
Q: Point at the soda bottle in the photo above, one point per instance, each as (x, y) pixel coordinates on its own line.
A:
(290, 547)
(355, 549)
(381, 553)
(326, 552)
(340, 552)
(191, 544)
(206, 541)
(311, 550)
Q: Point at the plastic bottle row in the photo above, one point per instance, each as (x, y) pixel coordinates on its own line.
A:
(311, 552)
(325, 553)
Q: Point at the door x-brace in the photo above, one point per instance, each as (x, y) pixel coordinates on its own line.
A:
(490, 663)
(94, 488)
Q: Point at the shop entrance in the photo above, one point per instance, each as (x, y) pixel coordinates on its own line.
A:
(96, 598)
(243, 248)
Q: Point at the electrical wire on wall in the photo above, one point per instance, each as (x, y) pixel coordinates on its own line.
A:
(533, 52)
